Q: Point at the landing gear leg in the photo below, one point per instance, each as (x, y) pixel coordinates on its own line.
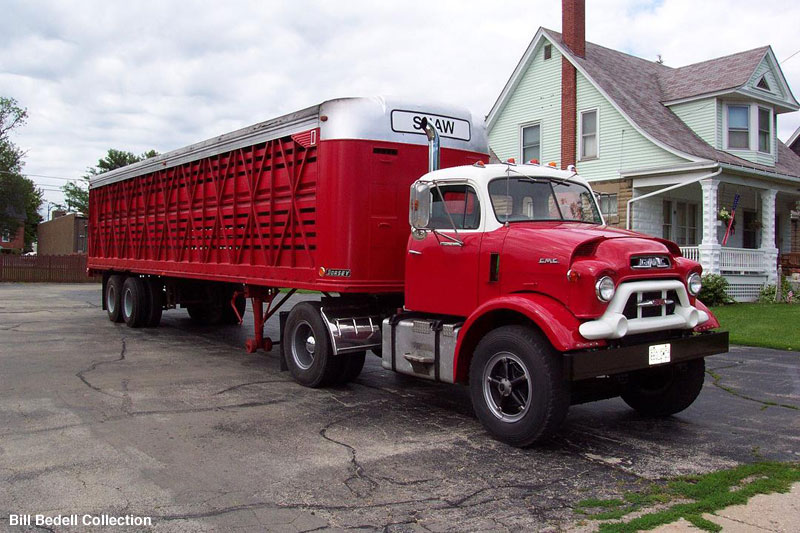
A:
(258, 297)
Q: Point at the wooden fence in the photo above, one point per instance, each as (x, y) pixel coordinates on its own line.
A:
(45, 268)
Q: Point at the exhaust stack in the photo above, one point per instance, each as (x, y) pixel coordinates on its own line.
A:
(433, 144)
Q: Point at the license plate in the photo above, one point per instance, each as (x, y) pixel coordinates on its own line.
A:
(659, 354)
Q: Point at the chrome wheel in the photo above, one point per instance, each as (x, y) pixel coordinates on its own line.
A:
(304, 345)
(127, 302)
(507, 387)
(111, 298)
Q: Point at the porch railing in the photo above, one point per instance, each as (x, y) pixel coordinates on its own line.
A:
(733, 260)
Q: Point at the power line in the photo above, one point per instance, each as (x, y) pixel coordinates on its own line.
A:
(791, 56)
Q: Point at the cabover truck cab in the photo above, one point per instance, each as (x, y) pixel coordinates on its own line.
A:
(503, 277)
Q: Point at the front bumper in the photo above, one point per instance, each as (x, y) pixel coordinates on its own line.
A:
(614, 325)
(607, 362)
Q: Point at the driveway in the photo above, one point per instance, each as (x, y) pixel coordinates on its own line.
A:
(179, 424)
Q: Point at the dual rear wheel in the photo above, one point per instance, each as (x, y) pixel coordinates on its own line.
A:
(136, 301)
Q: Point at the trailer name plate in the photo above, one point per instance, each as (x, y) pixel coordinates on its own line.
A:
(335, 272)
(659, 354)
(450, 127)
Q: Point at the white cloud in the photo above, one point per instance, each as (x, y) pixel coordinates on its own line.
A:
(141, 75)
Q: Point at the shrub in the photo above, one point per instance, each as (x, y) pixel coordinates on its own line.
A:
(767, 293)
(714, 291)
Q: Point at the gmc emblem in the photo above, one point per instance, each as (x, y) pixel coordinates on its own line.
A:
(650, 261)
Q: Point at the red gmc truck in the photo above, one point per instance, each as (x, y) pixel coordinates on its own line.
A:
(500, 276)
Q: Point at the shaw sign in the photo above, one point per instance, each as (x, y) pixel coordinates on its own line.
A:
(410, 122)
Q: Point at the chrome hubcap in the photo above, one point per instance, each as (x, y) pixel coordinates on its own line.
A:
(304, 345)
(128, 304)
(507, 387)
(111, 299)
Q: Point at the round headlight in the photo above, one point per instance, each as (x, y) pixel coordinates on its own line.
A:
(694, 283)
(604, 288)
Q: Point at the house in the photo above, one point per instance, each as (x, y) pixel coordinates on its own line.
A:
(63, 235)
(794, 143)
(667, 147)
(13, 241)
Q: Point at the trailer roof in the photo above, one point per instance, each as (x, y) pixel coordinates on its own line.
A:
(372, 118)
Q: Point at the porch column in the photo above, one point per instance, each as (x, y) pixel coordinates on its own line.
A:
(709, 247)
(768, 234)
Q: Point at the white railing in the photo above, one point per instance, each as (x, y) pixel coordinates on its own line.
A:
(733, 260)
(742, 260)
(691, 252)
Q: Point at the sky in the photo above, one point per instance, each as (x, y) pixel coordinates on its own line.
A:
(143, 75)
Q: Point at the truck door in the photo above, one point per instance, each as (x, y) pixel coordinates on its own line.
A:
(441, 263)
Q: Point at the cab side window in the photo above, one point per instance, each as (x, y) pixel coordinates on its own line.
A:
(460, 201)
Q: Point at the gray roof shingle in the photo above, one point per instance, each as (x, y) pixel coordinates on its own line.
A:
(638, 87)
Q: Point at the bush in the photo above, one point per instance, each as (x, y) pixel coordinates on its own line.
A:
(714, 291)
(767, 293)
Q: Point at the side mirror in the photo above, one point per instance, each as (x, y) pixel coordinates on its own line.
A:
(419, 212)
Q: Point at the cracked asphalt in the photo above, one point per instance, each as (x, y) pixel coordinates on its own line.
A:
(180, 424)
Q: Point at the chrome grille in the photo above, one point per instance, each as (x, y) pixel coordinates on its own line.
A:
(650, 304)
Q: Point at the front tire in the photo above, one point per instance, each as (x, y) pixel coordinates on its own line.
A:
(517, 386)
(307, 347)
(660, 392)
(351, 365)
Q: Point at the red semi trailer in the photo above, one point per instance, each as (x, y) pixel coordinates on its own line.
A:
(508, 278)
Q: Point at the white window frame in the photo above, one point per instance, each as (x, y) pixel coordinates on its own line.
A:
(522, 139)
(675, 228)
(596, 111)
(5, 236)
(770, 121)
(725, 132)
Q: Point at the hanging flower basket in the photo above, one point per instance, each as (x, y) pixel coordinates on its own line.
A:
(724, 215)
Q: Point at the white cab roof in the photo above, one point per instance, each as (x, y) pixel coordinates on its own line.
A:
(482, 175)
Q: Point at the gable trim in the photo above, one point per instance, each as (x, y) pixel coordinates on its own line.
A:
(516, 77)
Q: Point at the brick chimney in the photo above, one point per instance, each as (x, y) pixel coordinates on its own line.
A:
(573, 33)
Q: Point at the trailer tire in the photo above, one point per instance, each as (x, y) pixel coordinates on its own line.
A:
(113, 297)
(660, 392)
(351, 365)
(155, 301)
(206, 314)
(517, 386)
(135, 308)
(307, 347)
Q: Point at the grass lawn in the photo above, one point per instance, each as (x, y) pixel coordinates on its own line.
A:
(767, 325)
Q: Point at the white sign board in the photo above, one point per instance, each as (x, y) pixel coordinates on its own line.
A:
(410, 122)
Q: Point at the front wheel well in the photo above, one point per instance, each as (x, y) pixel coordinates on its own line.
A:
(482, 326)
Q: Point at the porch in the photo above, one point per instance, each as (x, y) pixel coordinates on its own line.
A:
(688, 214)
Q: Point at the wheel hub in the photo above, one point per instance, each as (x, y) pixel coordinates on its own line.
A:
(504, 387)
(311, 344)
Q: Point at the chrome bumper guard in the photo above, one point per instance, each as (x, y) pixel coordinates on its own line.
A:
(614, 325)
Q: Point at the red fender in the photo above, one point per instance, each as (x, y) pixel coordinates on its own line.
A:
(712, 322)
(551, 316)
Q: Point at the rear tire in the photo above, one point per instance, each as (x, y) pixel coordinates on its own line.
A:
(155, 293)
(307, 347)
(517, 386)
(206, 314)
(135, 308)
(113, 297)
(660, 392)
(351, 365)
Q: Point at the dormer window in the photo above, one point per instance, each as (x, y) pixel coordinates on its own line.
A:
(548, 51)
(763, 84)
(764, 130)
(738, 127)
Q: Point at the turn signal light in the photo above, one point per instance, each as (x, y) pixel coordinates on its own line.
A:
(551, 164)
(533, 162)
(572, 276)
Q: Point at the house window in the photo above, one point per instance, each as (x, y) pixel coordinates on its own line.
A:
(666, 224)
(5, 236)
(548, 51)
(588, 129)
(685, 223)
(531, 142)
(608, 204)
(764, 130)
(738, 127)
(763, 84)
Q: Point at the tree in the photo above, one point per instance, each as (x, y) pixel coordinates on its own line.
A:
(20, 199)
(76, 194)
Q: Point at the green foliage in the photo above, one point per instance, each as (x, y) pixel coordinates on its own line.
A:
(76, 194)
(768, 293)
(714, 291)
(698, 495)
(19, 197)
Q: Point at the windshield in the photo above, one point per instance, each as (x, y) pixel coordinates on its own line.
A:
(525, 199)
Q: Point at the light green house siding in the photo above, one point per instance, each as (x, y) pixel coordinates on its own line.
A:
(765, 69)
(537, 98)
(621, 146)
(701, 117)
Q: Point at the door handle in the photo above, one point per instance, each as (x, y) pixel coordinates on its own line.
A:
(415, 252)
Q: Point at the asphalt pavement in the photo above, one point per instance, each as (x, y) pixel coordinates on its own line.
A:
(180, 425)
